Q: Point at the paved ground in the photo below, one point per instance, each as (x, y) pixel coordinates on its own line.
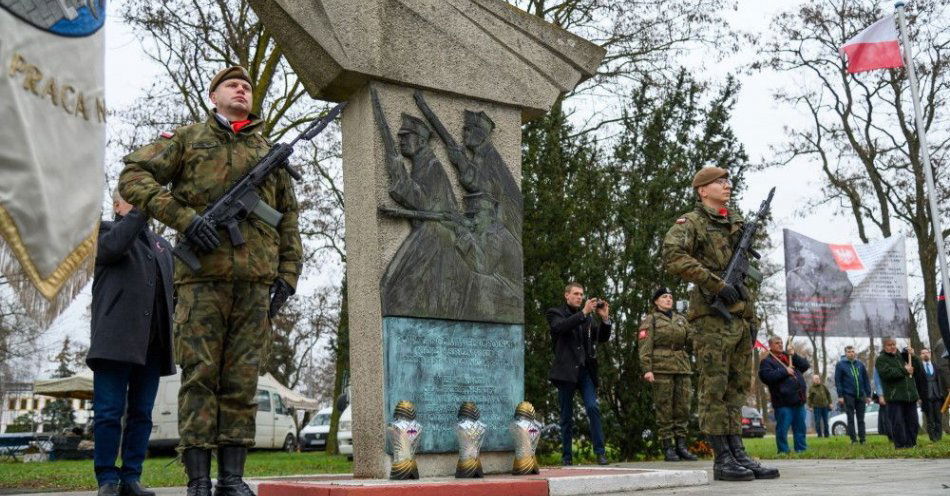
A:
(811, 477)
(799, 478)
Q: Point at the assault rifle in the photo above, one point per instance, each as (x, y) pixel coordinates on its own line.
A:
(242, 199)
(739, 268)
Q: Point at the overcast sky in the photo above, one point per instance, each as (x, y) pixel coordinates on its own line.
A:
(758, 122)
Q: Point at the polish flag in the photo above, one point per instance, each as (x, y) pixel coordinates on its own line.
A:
(876, 47)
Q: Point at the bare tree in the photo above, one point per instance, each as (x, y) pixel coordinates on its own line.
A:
(298, 330)
(645, 40)
(860, 129)
(18, 332)
(191, 41)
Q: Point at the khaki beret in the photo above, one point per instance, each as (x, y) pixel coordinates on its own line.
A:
(233, 72)
(707, 175)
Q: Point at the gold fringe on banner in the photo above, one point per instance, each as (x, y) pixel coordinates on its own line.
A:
(44, 297)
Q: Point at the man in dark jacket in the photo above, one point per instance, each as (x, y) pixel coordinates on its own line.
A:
(942, 323)
(575, 336)
(782, 373)
(943, 369)
(854, 391)
(900, 392)
(940, 356)
(131, 343)
(930, 389)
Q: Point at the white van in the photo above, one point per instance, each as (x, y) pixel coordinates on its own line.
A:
(275, 426)
(314, 435)
(344, 433)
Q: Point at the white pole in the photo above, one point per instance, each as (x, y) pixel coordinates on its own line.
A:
(925, 152)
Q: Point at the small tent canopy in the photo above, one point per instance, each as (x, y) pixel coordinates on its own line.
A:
(290, 397)
(77, 386)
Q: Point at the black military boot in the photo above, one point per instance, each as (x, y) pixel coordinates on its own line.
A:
(683, 452)
(725, 467)
(198, 467)
(669, 451)
(738, 452)
(230, 472)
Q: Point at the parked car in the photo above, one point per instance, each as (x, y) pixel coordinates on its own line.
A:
(344, 433)
(752, 423)
(839, 422)
(314, 435)
(275, 426)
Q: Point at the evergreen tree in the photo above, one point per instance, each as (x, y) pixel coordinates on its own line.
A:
(58, 415)
(558, 174)
(601, 220)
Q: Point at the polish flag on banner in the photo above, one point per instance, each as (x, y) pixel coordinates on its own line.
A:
(876, 47)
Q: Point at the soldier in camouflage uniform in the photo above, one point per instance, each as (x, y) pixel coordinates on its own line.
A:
(697, 249)
(665, 342)
(222, 316)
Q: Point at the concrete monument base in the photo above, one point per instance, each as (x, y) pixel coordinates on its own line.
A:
(550, 482)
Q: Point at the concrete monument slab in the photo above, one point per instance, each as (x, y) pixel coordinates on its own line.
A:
(485, 49)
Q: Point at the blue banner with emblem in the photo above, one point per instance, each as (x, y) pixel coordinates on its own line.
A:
(52, 146)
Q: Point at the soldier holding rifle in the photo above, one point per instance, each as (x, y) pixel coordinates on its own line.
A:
(245, 271)
(709, 247)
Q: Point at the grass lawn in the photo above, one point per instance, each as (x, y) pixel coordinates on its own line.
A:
(836, 448)
(840, 448)
(163, 471)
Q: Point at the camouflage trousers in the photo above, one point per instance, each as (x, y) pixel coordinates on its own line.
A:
(671, 397)
(724, 359)
(221, 329)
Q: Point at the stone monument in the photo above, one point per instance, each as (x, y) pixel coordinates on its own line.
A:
(437, 92)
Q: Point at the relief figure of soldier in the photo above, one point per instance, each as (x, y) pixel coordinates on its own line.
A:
(453, 265)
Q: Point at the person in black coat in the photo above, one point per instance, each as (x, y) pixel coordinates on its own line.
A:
(782, 373)
(575, 337)
(131, 343)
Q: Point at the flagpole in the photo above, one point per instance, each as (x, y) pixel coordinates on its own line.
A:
(925, 152)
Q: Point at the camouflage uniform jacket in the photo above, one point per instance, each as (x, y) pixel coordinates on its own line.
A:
(819, 396)
(697, 249)
(179, 175)
(665, 343)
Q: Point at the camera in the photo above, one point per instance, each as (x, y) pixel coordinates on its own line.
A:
(600, 304)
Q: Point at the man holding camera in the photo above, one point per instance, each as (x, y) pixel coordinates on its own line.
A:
(574, 337)
(697, 249)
